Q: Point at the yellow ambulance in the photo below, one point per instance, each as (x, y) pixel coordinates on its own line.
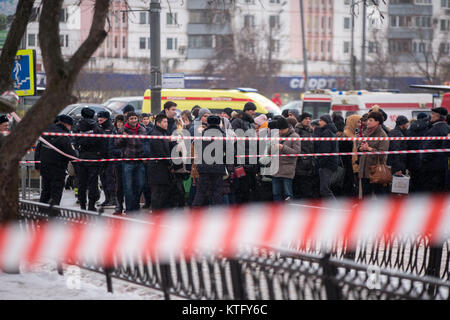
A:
(214, 99)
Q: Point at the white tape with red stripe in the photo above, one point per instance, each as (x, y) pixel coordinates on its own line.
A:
(236, 138)
(276, 155)
(225, 229)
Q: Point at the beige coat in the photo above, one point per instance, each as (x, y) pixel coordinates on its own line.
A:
(287, 164)
(366, 161)
(350, 128)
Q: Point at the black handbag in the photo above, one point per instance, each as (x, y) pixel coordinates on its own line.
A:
(338, 176)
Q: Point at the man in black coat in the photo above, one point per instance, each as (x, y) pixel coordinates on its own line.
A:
(245, 126)
(305, 171)
(107, 176)
(211, 169)
(434, 165)
(53, 164)
(398, 161)
(89, 148)
(418, 128)
(160, 175)
(169, 111)
(327, 164)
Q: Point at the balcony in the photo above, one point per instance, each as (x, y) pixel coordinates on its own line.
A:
(410, 10)
(202, 29)
(200, 53)
(197, 4)
(410, 33)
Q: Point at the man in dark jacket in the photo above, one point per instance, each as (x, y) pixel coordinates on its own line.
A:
(418, 128)
(327, 164)
(169, 111)
(398, 161)
(53, 164)
(305, 171)
(160, 170)
(133, 171)
(89, 148)
(211, 166)
(245, 126)
(434, 165)
(107, 168)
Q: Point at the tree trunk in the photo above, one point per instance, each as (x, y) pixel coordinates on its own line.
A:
(61, 77)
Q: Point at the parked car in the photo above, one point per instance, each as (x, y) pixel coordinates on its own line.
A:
(74, 110)
(118, 103)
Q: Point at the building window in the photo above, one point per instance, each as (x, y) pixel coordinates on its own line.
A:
(203, 41)
(142, 44)
(373, 47)
(346, 23)
(274, 1)
(330, 23)
(124, 17)
(64, 40)
(445, 3)
(329, 46)
(142, 17)
(324, 23)
(346, 47)
(124, 43)
(347, 2)
(31, 40)
(172, 43)
(172, 18)
(63, 15)
(116, 42)
(249, 21)
(275, 46)
(34, 14)
(274, 21)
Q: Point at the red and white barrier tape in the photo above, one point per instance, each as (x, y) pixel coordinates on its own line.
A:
(260, 156)
(224, 229)
(233, 138)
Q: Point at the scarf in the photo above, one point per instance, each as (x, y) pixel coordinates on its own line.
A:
(135, 130)
(372, 130)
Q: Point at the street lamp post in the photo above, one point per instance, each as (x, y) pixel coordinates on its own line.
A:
(155, 56)
(305, 55)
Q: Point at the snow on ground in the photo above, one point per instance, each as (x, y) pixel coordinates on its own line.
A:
(42, 282)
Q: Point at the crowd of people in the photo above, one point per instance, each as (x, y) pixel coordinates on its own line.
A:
(131, 185)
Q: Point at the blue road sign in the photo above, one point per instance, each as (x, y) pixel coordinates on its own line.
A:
(24, 73)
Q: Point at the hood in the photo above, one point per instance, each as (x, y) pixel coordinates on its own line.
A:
(351, 124)
(419, 125)
(86, 124)
(331, 127)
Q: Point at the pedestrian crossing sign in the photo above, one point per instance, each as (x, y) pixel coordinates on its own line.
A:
(24, 73)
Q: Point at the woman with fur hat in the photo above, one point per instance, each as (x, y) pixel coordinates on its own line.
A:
(374, 129)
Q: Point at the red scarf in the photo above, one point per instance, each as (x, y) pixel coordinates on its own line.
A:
(372, 130)
(135, 130)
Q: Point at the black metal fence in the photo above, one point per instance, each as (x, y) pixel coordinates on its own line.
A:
(387, 269)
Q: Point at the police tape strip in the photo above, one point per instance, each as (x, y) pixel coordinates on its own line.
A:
(224, 230)
(276, 155)
(236, 138)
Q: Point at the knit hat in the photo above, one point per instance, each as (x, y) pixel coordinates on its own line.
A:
(423, 115)
(305, 115)
(213, 120)
(3, 118)
(249, 106)
(128, 108)
(259, 120)
(282, 123)
(401, 120)
(442, 111)
(103, 114)
(326, 118)
(87, 113)
(202, 112)
(65, 119)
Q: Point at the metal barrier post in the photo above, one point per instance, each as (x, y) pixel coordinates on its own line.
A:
(109, 284)
(165, 279)
(329, 273)
(434, 267)
(23, 180)
(236, 280)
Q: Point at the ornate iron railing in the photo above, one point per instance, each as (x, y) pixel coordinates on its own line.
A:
(388, 269)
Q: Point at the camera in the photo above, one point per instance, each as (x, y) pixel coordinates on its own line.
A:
(274, 124)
